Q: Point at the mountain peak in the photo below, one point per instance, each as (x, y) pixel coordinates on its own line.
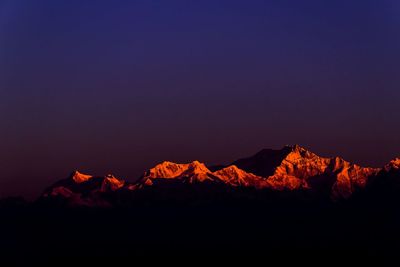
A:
(169, 170)
(394, 164)
(295, 147)
(79, 177)
(298, 150)
(234, 176)
(229, 171)
(112, 183)
(197, 166)
(166, 169)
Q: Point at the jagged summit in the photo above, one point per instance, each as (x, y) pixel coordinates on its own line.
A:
(394, 164)
(166, 169)
(295, 147)
(111, 183)
(234, 176)
(80, 177)
(169, 170)
(190, 172)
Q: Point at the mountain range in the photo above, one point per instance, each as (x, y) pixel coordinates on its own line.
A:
(291, 169)
(274, 205)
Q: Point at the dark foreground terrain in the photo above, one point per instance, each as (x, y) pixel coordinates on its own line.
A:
(223, 226)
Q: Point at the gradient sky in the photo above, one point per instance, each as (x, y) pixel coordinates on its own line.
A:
(118, 86)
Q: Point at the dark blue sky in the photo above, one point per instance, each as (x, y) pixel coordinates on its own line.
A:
(117, 86)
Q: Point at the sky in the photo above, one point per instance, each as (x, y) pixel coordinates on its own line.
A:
(118, 86)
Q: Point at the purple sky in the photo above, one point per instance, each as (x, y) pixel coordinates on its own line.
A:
(115, 87)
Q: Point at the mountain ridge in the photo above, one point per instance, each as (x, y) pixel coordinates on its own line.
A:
(292, 168)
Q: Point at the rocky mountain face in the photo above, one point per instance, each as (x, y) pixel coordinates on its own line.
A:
(290, 169)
